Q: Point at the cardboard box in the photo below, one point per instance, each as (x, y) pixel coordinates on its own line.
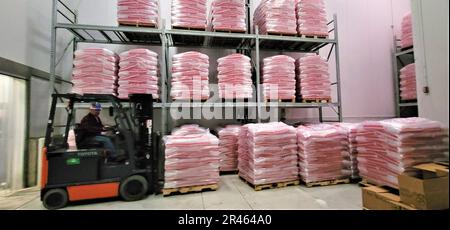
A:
(426, 188)
(377, 198)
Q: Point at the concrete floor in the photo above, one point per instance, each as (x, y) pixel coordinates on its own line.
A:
(233, 194)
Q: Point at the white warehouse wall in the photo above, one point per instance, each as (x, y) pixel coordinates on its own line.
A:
(430, 26)
(26, 35)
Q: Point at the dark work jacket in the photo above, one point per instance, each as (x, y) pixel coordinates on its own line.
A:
(90, 126)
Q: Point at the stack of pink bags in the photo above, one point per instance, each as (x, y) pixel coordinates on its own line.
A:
(323, 153)
(408, 87)
(235, 77)
(313, 80)
(388, 148)
(267, 153)
(407, 32)
(276, 17)
(279, 78)
(351, 129)
(190, 76)
(228, 15)
(138, 73)
(138, 12)
(95, 71)
(228, 146)
(312, 18)
(189, 14)
(191, 157)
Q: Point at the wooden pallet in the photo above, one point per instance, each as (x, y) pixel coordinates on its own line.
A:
(368, 183)
(327, 183)
(281, 34)
(138, 24)
(271, 185)
(406, 48)
(314, 36)
(191, 101)
(231, 31)
(280, 100)
(316, 100)
(233, 172)
(188, 28)
(190, 189)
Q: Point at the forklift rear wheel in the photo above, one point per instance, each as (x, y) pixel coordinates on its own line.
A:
(133, 188)
(55, 199)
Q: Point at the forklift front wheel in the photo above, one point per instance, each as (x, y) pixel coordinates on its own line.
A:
(133, 188)
(55, 199)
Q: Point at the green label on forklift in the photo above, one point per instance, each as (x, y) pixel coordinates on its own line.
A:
(73, 161)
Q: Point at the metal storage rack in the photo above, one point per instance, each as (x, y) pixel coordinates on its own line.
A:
(165, 38)
(402, 58)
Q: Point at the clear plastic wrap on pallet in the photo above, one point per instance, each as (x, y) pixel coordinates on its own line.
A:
(278, 76)
(311, 18)
(323, 153)
(189, 14)
(313, 78)
(228, 15)
(95, 71)
(191, 157)
(276, 17)
(139, 73)
(190, 76)
(351, 129)
(138, 12)
(235, 77)
(408, 87)
(228, 146)
(267, 153)
(390, 147)
(407, 39)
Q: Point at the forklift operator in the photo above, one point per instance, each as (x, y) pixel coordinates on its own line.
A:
(91, 128)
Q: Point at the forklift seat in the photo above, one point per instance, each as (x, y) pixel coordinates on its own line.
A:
(85, 143)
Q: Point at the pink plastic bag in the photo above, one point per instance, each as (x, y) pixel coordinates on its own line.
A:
(267, 153)
(313, 81)
(228, 146)
(276, 16)
(189, 13)
(95, 71)
(228, 15)
(279, 78)
(191, 157)
(388, 148)
(190, 76)
(234, 75)
(311, 18)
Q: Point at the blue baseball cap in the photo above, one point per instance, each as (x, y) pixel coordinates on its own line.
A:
(96, 106)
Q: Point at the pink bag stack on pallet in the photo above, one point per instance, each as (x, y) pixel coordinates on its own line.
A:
(407, 32)
(279, 78)
(138, 73)
(276, 17)
(228, 146)
(190, 76)
(312, 18)
(138, 12)
(267, 153)
(228, 15)
(388, 148)
(313, 79)
(235, 77)
(323, 153)
(408, 87)
(351, 129)
(189, 14)
(95, 71)
(191, 157)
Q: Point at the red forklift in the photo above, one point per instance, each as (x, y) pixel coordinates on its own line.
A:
(84, 173)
